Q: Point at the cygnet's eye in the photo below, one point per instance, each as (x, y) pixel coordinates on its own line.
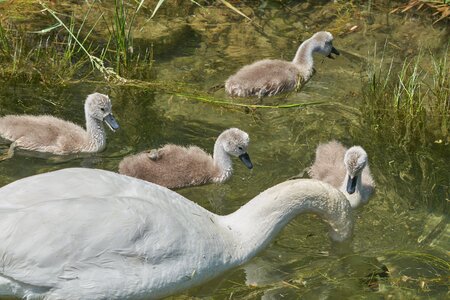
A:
(102, 109)
(240, 148)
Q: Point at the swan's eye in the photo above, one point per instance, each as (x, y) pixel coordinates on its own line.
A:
(240, 148)
(102, 109)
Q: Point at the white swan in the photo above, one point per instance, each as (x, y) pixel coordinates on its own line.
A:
(49, 134)
(176, 166)
(269, 77)
(94, 234)
(345, 169)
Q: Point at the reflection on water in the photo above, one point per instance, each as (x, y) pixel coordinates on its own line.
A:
(401, 238)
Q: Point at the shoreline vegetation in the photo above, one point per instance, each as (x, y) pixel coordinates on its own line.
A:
(91, 43)
(412, 96)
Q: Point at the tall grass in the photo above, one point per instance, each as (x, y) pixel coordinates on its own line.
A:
(62, 51)
(38, 55)
(4, 42)
(410, 99)
(406, 108)
(97, 63)
(121, 32)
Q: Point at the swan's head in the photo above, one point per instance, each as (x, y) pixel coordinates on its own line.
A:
(355, 160)
(235, 142)
(99, 106)
(324, 43)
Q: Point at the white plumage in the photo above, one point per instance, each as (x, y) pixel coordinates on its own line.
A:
(94, 234)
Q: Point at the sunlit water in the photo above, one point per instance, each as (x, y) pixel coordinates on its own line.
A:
(401, 238)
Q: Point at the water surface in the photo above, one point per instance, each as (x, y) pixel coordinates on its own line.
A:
(401, 238)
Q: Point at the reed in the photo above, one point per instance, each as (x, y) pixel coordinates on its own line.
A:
(120, 30)
(96, 62)
(4, 42)
(37, 55)
(410, 98)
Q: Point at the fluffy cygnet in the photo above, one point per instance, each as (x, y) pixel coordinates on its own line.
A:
(345, 169)
(49, 134)
(176, 166)
(271, 77)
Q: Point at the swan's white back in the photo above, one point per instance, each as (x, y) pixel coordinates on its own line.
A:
(155, 232)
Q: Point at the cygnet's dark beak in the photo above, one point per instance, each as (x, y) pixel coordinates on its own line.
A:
(351, 184)
(245, 158)
(111, 122)
(334, 51)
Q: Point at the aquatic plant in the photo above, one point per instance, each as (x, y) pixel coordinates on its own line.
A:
(96, 62)
(411, 99)
(121, 32)
(441, 9)
(4, 42)
(406, 107)
(38, 55)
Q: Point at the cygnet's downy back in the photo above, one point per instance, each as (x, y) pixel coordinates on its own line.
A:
(176, 166)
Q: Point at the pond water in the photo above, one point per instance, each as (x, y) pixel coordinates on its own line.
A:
(401, 239)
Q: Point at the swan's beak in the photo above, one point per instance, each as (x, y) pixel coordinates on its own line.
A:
(245, 158)
(351, 184)
(334, 51)
(111, 122)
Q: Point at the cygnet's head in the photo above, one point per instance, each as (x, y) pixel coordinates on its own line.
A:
(324, 43)
(99, 107)
(235, 142)
(355, 160)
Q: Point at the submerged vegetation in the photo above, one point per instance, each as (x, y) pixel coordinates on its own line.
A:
(440, 9)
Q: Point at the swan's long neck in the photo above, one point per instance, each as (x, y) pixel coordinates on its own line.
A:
(304, 57)
(255, 224)
(222, 161)
(96, 134)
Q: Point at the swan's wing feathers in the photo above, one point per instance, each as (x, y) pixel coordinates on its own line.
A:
(65, 184)
(70, 235)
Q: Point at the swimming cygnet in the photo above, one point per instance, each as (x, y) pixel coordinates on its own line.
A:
(49, 134)
(175, 166)
(271, 77)
(345, 169)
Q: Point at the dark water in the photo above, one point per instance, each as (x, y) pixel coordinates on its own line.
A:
(400, 245)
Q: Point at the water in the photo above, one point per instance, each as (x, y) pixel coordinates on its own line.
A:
(400, 245)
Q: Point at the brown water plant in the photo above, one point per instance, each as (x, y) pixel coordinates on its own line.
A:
(440, 9)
